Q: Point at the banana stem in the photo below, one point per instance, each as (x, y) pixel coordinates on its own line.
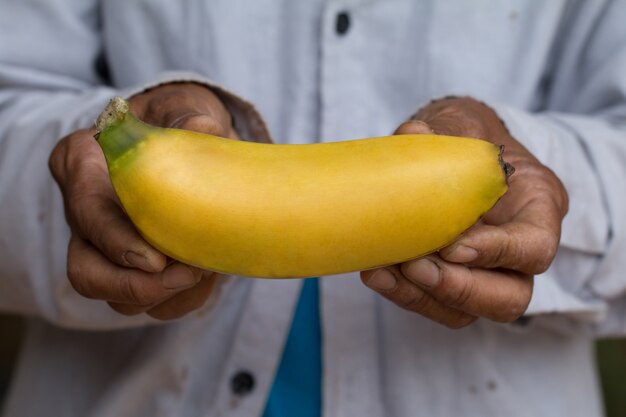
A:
(118, 130)
(113, 113)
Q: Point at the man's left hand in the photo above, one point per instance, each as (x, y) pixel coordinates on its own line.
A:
(487, 272)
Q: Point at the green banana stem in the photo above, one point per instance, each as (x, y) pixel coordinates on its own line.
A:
(113, 113)
(118, 131)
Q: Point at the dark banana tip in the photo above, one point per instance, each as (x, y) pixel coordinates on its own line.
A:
(506, 167)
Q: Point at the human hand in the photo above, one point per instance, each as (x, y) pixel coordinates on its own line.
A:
(488, 271)
(107, 258)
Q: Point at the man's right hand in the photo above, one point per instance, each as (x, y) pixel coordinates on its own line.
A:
(107, 258)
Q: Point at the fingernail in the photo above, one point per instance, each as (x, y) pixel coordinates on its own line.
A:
(137, 260)
(382, 280)
(413, 127)
(462, 254)
(179, 276)
(424, 272)
(421, 126)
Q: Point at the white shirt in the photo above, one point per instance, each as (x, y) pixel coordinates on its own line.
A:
(554, 71)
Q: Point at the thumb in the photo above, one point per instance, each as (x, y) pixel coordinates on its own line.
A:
(414, 127)
(198, 122)
(186, 106)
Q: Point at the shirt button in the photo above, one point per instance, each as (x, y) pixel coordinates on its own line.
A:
(242, 383)
(343, 23)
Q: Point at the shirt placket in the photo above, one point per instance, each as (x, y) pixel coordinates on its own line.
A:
(351, 378)
(257, 347)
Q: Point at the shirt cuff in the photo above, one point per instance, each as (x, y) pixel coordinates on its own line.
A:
(563, 288)
(586, 225)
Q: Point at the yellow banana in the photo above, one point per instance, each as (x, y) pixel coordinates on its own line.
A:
(279, 211)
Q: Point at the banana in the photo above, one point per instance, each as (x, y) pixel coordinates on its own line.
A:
(285, 211)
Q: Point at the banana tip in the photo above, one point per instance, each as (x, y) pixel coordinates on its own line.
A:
(506, 167)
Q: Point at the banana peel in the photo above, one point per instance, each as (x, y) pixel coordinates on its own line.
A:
(285, 211)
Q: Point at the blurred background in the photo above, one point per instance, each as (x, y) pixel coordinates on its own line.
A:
(611, 357)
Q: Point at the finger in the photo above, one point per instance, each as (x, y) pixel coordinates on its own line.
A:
(202, 123)
(176, 306)
(527, 242)
(233, 134)
(58, 160)
(414, 127)
(457, 116)
(129, 309)
(93, 210)
(100, 220)
(391, 284)
(167, 105)
(186, 301)
(535, 195)
(522, 247)
(499, 295)
(94, 276)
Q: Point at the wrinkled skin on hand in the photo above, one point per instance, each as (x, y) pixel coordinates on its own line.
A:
(487, 272)
(107, 258)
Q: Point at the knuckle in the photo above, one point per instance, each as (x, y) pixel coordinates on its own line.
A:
(56, 158)
(79, 197)
(458, 116)
(78, 149)
(461, 295)
(422, 305)
(542, 265)
(94, 220)
(59, 154)
(76, 275)
(80, 213)
(106, 235)
(525, 166)
(74, 270)
(473, 128)
(129, 292)
(548, 253)
(512, 311)
(408, 297)
(504, 250)
(97, 223)
(163, 108)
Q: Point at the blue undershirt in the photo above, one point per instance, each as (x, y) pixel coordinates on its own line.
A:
(297, 388)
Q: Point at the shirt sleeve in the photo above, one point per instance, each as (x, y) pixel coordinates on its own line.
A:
(581, 136)
(50, 86)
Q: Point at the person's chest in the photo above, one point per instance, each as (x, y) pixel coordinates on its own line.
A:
(331, 70)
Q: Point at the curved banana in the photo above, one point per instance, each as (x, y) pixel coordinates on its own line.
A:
(279, 211)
